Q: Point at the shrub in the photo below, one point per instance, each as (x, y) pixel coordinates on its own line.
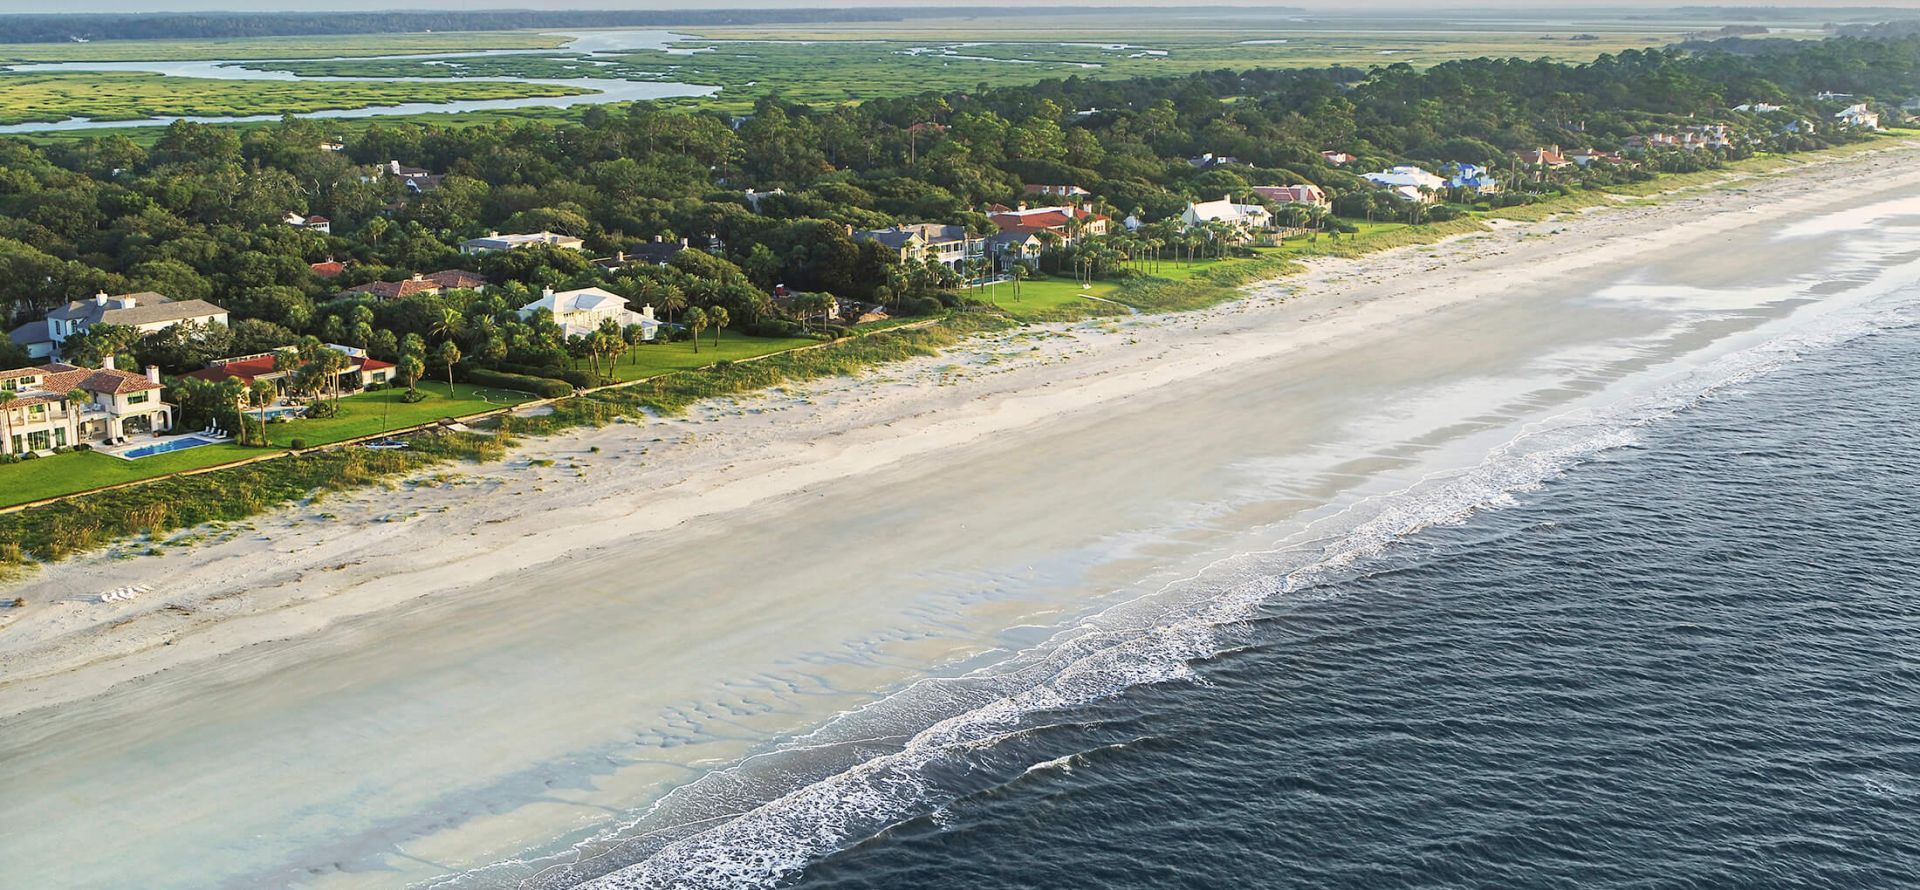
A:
(83, 447)
(544, 387)
(578, 378)
(9, 459)
(297, 444)
(919, 305)
(413, 395)
(774, 327)
(61, 449)
(376, 387)
(322, 410)
(30, 455)
(837, 331)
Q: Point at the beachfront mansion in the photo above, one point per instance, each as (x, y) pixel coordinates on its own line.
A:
(57, 405)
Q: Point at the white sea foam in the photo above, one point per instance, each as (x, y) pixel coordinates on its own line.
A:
(1154, 639)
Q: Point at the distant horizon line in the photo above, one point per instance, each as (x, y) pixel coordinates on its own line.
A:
(1321, 7)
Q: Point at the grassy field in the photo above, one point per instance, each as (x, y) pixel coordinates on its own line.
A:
(360, 415)
(647, 361)
(314, 47)
(59, 474)
(131, 96)
(369, 413)
(1055, 298)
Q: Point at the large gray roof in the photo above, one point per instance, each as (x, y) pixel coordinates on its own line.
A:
(148, 308)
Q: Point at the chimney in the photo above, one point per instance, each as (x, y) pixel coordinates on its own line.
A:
(128, 301)
(493, 233)
(619, 256)
(1227, 198)
(106, 362)
(1022, 206)
(659, 239)
(849, 230)
(100, 298)
(646, 312)
(418, 277)
(547, 294)
(683, 243)
(393, 167)
(153, 374)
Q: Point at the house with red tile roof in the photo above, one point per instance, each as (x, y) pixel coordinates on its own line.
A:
(1305, 193)
(57, 405)
(328, 269)
(1548, 157)
(422, 285)
(1050, 219)
(362, 370)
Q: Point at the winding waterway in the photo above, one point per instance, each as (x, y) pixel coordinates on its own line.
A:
(601, 90)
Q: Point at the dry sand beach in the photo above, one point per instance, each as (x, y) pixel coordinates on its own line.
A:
(458, 679)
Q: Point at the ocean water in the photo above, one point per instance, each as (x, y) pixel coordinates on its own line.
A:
(1666, 637)
(1690, 658)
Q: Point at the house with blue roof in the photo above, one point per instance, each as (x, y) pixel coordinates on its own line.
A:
(1472, 176)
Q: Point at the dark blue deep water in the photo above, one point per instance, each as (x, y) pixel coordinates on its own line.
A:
(1691, 662)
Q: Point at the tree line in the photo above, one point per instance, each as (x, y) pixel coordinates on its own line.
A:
(199, 213)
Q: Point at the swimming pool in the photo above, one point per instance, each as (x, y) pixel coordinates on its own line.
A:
(180, 444)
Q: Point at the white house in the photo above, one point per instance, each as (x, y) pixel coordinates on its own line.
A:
(1409, 182)
(1860, 117)
(496, 241)
(44, 415)
(581, 311)
(145, 312)
(1247, 217)
(316, 223)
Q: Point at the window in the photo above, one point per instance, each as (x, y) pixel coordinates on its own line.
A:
(137, 397)
(36, 412)
(59, 436)
(39, 441)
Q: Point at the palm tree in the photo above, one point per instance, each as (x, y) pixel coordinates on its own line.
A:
(75, 398)
(7, 398)
(672, 299)
(696, 321)
(447, 323)
(262, 393)
(635, 334)
(717, 317)
(1019, 273)
(449, 355)
(410, 368)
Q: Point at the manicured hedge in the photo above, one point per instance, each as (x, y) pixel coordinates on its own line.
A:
(544, 387)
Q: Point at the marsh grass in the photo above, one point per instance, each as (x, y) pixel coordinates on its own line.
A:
(110, 96)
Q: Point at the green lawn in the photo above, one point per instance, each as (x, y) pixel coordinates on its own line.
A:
(1048, 299)
(59, 474)
(360, 415)
(646, 361)
(369, 413)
